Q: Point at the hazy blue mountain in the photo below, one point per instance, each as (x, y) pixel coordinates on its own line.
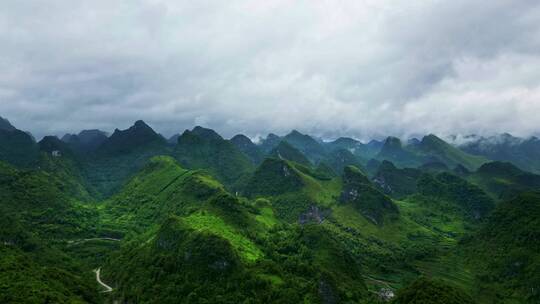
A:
(203, 148)
(284, 150)
(53, 145)
(413, 141)
(394, 181)
(269, 143)
(138, 136)
(17, 147)
(244, 144)
(86, 141)
(6, 125)
(338, 159)
(173, 139)
(372, 148)
(503, 180)
(365, 197)
(344, 143)
(524, 153)
(432, 147)
(306, 144)
(393, 151)
(122, 154)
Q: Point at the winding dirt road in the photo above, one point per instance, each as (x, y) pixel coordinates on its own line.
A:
(98, 279)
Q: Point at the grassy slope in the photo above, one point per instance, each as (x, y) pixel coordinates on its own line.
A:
(417, 242)
(431, 146)
(206, 209)
(292, 188)
(205, 149)
(503, 180)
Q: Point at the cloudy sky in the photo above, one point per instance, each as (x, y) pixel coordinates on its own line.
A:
(361, 68)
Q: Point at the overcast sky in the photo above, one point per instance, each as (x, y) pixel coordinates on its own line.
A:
(361, 68)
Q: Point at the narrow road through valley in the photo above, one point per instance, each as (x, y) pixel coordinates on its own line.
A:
(73, 242)
(98, 279)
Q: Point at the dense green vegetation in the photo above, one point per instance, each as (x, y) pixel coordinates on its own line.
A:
(204, 149)
(503, 180)
(290, 220)
(432, 292)
(18, 148)
(436, 148)
(246, 146)
(370, 202)
(522, 152)
(505, 252)
(284, 150)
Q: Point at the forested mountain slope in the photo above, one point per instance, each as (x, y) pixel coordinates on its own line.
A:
(289, 220)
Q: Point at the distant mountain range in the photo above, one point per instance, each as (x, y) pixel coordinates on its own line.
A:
(290, 219)
(469, 152)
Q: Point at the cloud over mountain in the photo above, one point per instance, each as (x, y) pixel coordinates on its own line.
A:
(361, 68)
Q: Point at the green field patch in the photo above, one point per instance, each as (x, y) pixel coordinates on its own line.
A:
(266, 217)
(205, 222)
(274, 279)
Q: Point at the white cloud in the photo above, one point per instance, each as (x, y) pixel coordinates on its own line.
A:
(360, 68)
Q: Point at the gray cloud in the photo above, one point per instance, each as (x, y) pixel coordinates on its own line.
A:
(360, 68)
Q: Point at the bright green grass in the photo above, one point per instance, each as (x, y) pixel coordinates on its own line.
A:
(392, 231)
(201, 221)
(440, 219)
(449, 268)
(274, 279)
(324, 193)
(267, 217)
(440, 231)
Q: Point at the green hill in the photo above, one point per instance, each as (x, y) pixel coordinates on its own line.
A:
(473, 201)
(396, 182)
(129, 140)
(244, 144)
(344, 143)
(6, 125)
(121, 155)
(213, 246)
(505, 252)
(162, 188)
(18, 148)
(430, 149)
(177, 262)
(87, 141)
(292, 220)
(274, 177)
(269, 143)
(393, 151)
(203, 148)
(504, 180)
(340, 158)
(357, 148)
(434, 147)
(370, 202)
(58, 160)
(308, 146)
(292, 188)
(35, 217)
(522, 152)
(286, 151)
(432, 291)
